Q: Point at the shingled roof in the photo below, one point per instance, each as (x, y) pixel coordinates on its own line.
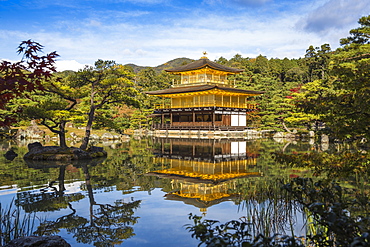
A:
(202, 63)
(200, 88)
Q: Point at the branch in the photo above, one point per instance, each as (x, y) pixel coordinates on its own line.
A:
(286, 128)
(73, 101)
(51, 128)
(105, 98)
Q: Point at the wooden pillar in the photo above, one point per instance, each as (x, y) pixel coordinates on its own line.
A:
(246, 119)
(171, 119)
(238, 118)
(213, 149)
(213, 118)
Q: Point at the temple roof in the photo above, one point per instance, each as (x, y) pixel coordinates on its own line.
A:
(199, 203)
(202, 63)
(199, 177)
(200, 88)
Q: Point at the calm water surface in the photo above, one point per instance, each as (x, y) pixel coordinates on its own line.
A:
(143, 192)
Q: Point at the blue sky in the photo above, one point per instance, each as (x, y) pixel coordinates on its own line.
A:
(152, 32)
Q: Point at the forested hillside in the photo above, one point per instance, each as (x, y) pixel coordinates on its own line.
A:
(170, 64)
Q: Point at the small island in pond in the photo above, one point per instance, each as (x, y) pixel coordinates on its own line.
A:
(36, 151)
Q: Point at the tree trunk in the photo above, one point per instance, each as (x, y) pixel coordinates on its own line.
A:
(286, 128)
(85, 141)
(62, 188)
(61, 132)
(90, 193)
(62, 135)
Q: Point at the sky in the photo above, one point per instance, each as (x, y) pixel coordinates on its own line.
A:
(153, 32)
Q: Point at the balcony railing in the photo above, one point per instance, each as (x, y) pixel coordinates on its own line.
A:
(225, 83)
(208, 127)
(206, 104)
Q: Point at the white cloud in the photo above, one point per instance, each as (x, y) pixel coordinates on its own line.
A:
(245, 3)
(143, 1)
(68, 65)
(251, 2)
(335, 14)
(158, 43)
(130, 40)
(94, 23)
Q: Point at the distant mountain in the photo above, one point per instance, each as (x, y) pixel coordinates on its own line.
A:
(170, 64)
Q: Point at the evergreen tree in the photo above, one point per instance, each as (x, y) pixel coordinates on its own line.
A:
(106, 83)
(342, 100)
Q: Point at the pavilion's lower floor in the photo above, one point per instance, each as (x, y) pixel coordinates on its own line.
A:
(202, 118)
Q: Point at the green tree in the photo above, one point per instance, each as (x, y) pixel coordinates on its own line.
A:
(114, 118)
(360, 35)
(105, 83)
(317, 60)
(342, 100)
(149, 80)
(53, 106)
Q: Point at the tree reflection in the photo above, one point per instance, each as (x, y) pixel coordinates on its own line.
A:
(50, 198)
(107, 224)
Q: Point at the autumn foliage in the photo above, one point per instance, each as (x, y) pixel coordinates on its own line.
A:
(24, 75)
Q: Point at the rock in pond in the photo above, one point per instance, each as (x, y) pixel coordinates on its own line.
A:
(37, 241)
(38, 152)
(10, 155)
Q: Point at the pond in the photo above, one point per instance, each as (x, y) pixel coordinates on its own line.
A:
(143, 192)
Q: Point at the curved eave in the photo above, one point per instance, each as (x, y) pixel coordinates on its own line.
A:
(203, 63)
(203, 89)
(202, 177)
(197, 202)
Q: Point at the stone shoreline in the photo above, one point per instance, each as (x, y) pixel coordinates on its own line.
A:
(34, 133)
(245, 134)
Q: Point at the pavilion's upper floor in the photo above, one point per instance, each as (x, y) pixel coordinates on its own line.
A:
(203, 71)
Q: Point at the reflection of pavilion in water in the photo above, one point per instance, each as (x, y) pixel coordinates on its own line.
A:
(204, 172)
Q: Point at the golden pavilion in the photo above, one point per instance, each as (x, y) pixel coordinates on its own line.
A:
(203, 172)
(204, 98)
